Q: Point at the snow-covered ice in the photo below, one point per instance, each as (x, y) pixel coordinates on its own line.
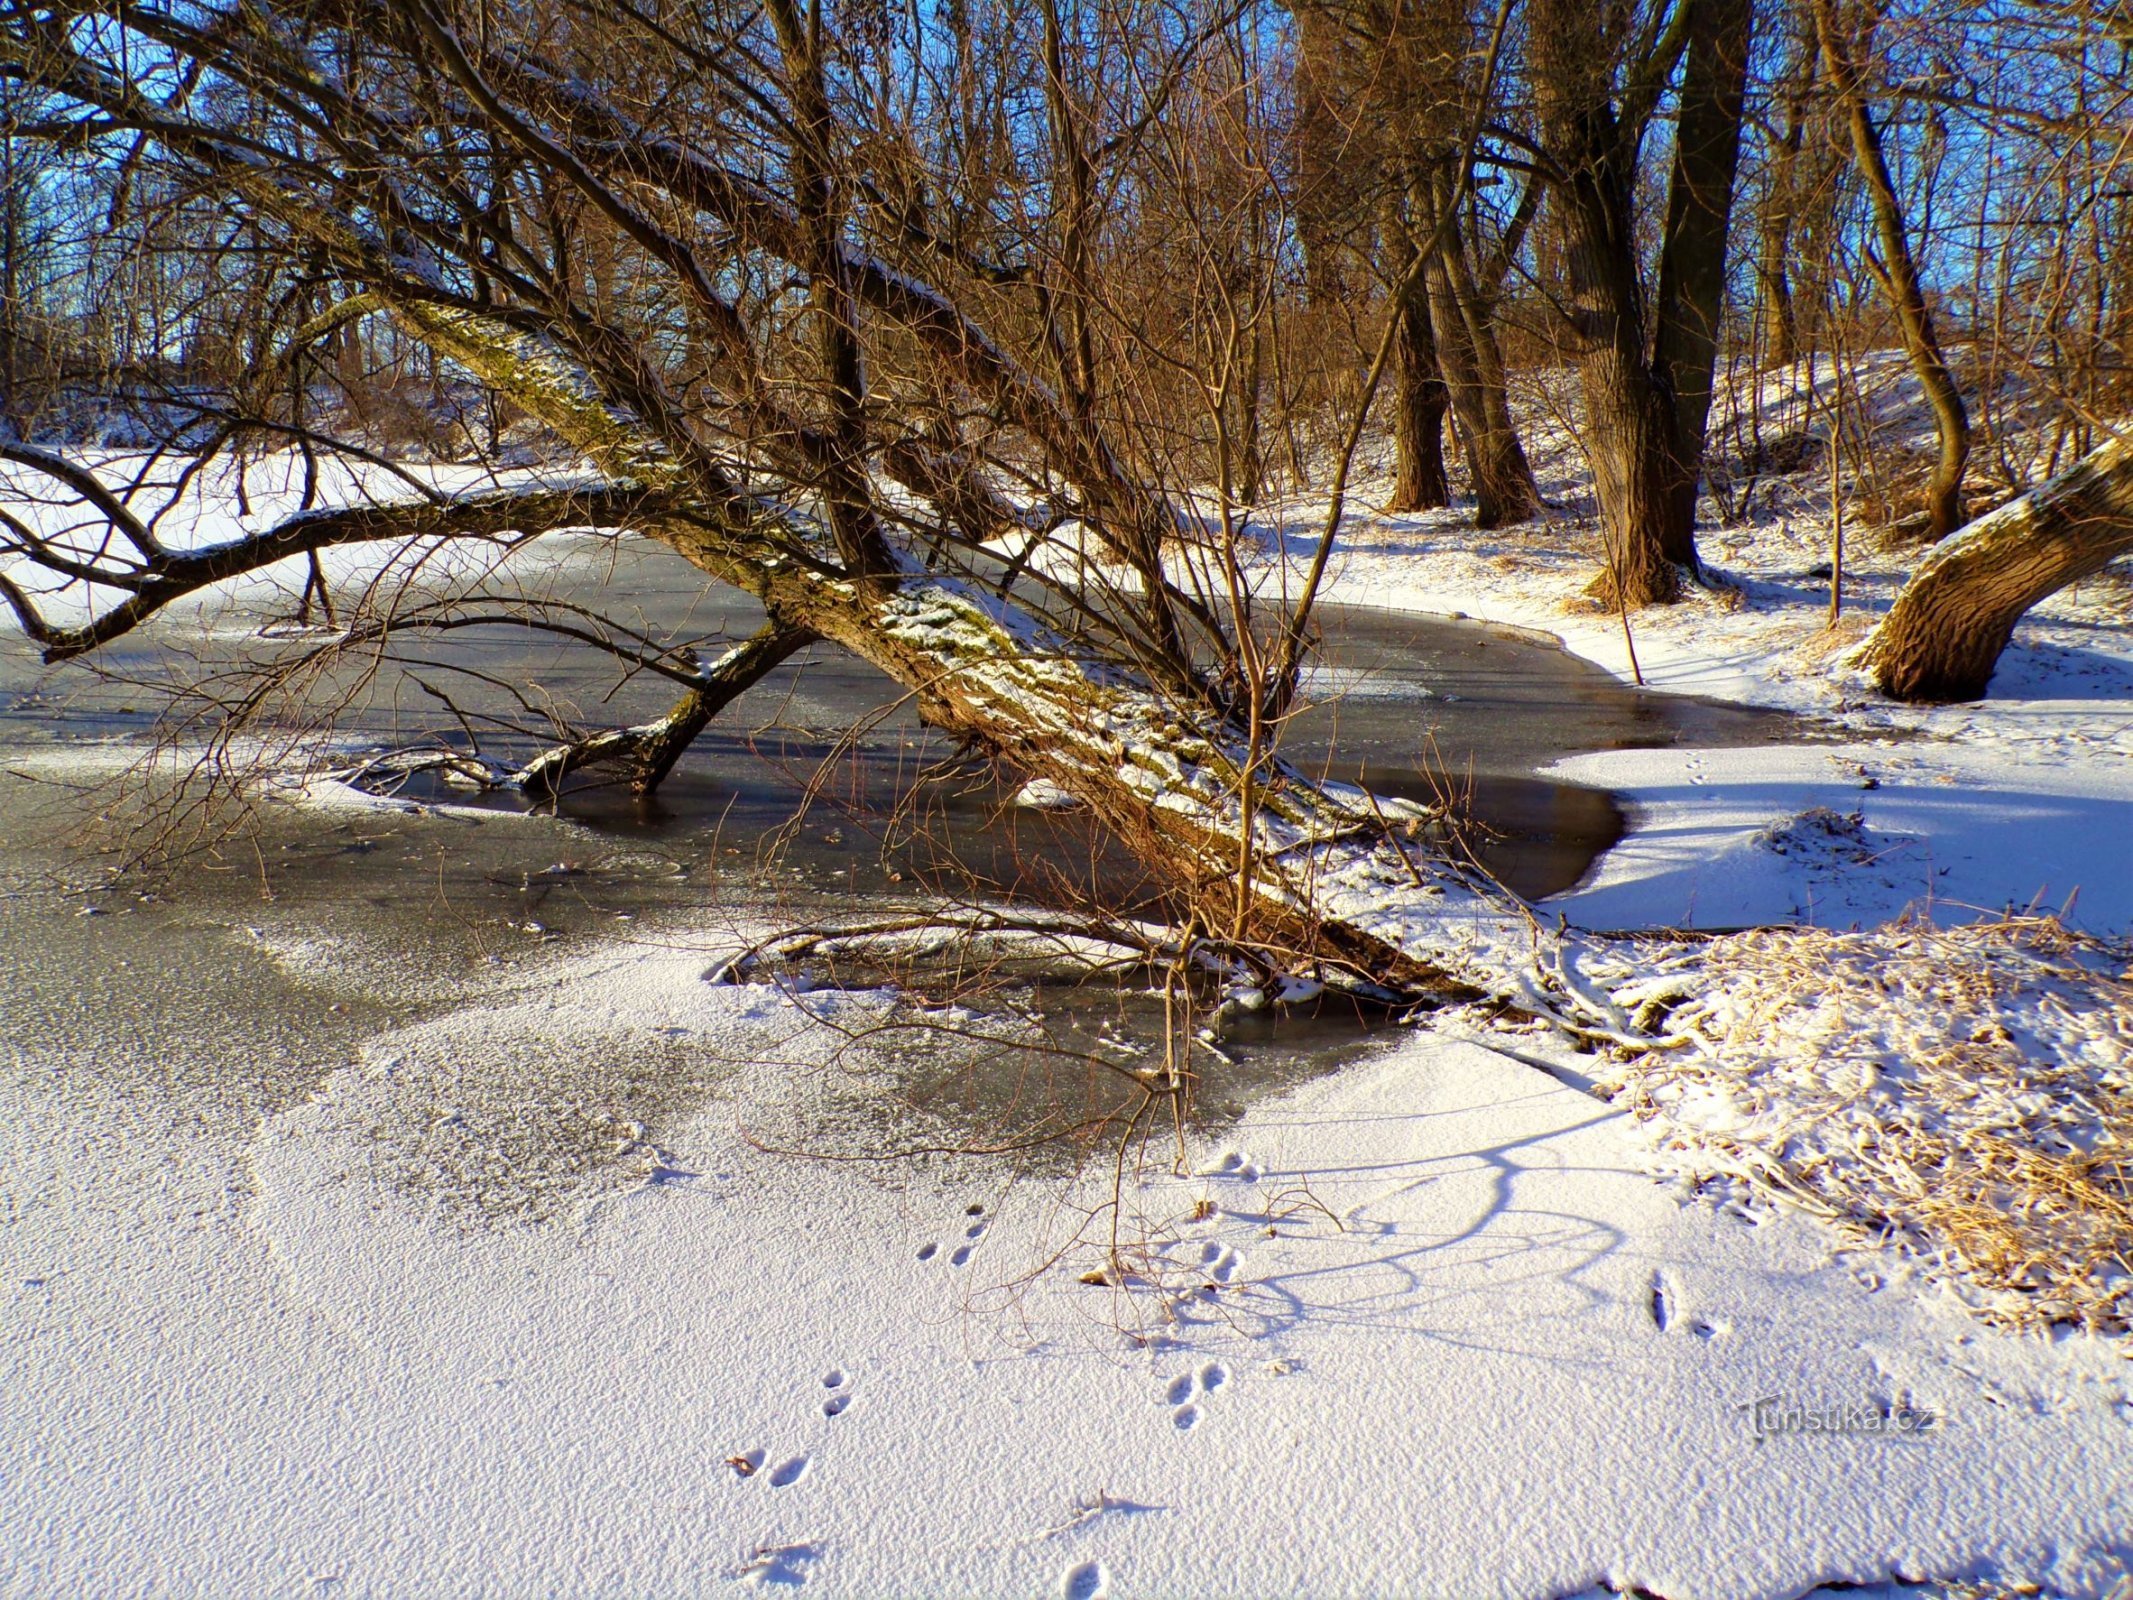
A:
(1429, 1329)
(1426, 1325)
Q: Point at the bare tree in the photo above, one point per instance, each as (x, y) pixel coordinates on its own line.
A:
(1646, 353)
(785, 334)
(1895, 267)
(1414, 73)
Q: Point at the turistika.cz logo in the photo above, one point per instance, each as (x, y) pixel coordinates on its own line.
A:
(1773, 1417)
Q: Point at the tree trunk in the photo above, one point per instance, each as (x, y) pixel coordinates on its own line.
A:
(14, 317)
(1630, 444)
(1629, 431)
(847, 496)
(1645, 368)
(650, 749)
(1328, 199)
(1262, 854)
(1898, 272)
(1472, 364)
(1418, 410)
(1773, 263)
(1945, 633)
(1692, 260)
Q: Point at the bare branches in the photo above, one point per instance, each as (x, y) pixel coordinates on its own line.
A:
(86, 484)
(650, 749)
(168, 576)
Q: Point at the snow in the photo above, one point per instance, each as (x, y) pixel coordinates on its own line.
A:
(462, 1312)
(1954, 831)
(1435, 1332)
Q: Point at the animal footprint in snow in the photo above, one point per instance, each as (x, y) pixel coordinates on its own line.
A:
(1665, 1312)
(971, 1234)
(1179, 1392)
(1235, 1164)
(1089, 1581)
(839, 1383)
(784, 1565)
(785, 1473)
(1218, 1261)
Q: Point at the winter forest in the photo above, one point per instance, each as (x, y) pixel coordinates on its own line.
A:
(1095, 797)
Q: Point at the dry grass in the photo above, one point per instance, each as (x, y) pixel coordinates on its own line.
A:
(1965, 1092)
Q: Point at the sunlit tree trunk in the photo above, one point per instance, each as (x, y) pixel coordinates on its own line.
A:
(1897, 269)
(1419, 402)
(1943, 637)
(1638, 353)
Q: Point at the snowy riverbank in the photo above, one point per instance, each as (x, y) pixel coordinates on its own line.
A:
(2023, 799)
(1423, 1327)
(516, 1295)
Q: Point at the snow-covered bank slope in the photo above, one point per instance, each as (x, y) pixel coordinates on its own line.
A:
(1851, 835)
(2021, 798)
(1434, 1334)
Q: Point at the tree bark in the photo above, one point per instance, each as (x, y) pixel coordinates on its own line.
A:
(1472, 363)
(1692, 260)
(1943, 637)
(650, 749)
(1419, 403)
(1898, 271)
(1629, 431)
(1646, 370)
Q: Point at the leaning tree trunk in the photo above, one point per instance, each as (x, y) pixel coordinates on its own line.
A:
(1945, 633)
(1419, 404)
(1311, 872)
(1505, 491)
(1898, 271)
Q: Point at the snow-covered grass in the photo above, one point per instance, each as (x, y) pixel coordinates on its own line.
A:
(1964, 1090)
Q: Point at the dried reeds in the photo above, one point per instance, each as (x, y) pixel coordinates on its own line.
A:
(1966, 1092)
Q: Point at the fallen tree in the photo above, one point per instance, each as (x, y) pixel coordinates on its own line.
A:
(773, 446)
(722, 297)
